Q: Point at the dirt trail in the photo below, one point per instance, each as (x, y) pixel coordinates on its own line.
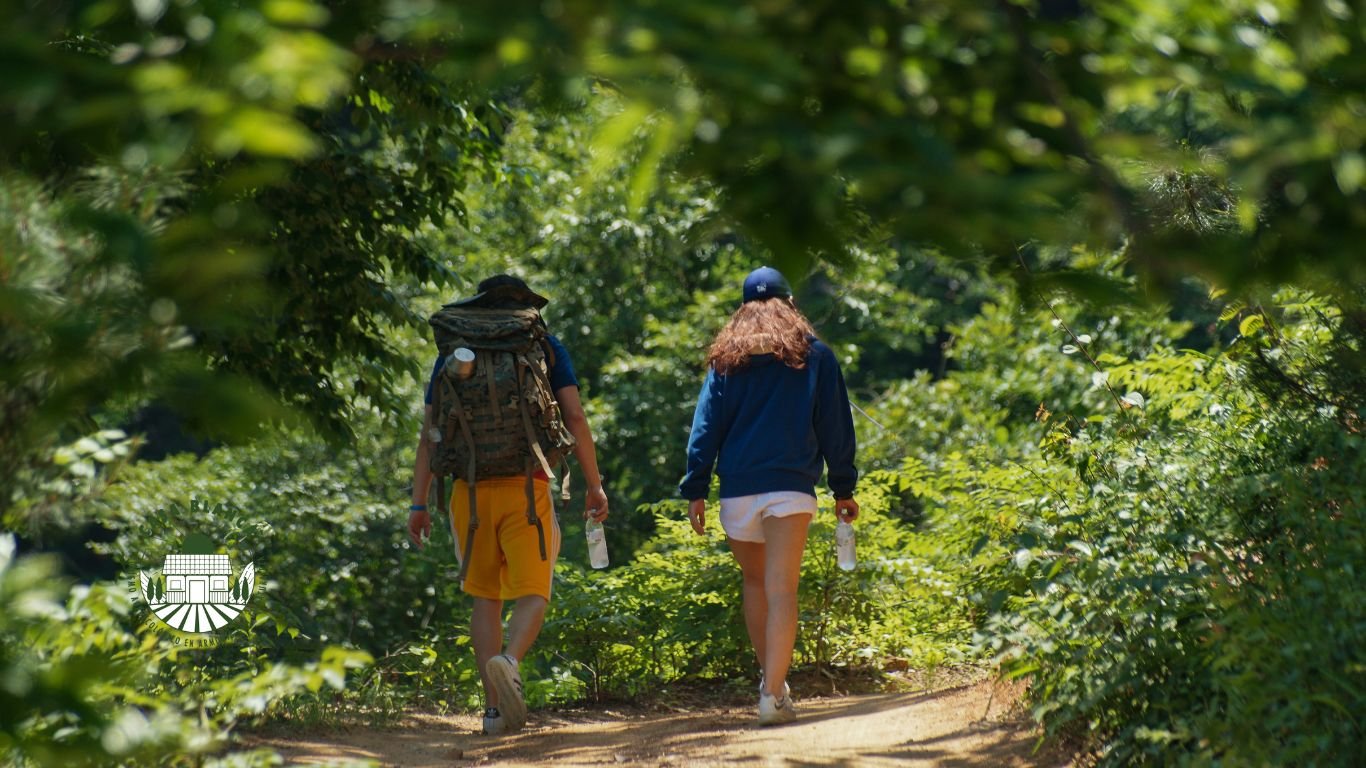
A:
(961, 727)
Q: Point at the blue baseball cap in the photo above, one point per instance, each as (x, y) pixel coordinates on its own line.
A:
(765, 283)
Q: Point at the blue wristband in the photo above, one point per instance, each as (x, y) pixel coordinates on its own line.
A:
(418, 508)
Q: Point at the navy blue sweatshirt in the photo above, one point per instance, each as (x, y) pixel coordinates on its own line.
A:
(768, 427)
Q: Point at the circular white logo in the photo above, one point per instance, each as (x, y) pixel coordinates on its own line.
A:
(196, 591)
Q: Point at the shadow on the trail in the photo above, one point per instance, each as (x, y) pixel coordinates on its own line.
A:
(615, 740)
(424, 741)
(955, 728)
(731, 736)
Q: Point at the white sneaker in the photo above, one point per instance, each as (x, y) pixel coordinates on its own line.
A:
(786, 690)
(494, 723)
(776, 710)
(502, 671)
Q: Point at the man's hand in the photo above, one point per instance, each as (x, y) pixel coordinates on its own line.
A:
(846, 510)
(595, 504)
(697, 515)
(419, 527)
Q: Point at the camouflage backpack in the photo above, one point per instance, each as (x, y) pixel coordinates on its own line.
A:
(497, 417)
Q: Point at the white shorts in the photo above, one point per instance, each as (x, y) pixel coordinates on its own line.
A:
(742, 517)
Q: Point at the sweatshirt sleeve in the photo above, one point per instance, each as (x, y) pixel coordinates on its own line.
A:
(704, 441)
(835, 427)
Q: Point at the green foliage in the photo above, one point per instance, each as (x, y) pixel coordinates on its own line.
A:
(244, 210)
(394, 159)
(675, 612)
(981, 128)
(70, 299)
(82, 687)
(671, 613)
(624, 283)
(160, 82)
(900, 606)
(639, 290)
(324, 527)
(130, 133)
(1190, 570)
(188, 215)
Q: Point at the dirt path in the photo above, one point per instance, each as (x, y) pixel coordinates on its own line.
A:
(962, 727)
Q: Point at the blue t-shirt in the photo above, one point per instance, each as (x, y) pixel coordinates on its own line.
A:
(561, 373)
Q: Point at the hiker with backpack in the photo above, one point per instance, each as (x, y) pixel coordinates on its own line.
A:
(502, 410)
(773, 412)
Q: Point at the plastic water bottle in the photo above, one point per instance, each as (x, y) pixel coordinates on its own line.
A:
(597, 543)
(844, 545)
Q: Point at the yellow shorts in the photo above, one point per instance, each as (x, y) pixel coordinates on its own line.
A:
(506, 563)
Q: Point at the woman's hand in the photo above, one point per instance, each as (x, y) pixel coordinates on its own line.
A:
(697, 515)
(846, 510)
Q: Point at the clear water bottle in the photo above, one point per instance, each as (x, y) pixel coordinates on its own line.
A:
(597, 543)
(844, 545)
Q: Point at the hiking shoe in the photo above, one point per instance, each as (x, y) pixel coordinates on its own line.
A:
(494, 723)
(775, 710)
(502, 671)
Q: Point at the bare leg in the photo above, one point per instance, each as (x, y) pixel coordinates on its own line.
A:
(524, 625)
(750, 556)
(785, 538)
(486, 633)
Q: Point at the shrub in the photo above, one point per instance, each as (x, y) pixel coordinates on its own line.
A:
(675, 612)
(1189, 594)
(82, 688)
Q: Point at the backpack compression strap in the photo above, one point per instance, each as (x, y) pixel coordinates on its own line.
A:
(457, 414)
(544, 379)
(493, 394)
(441, 502)
(531, 517)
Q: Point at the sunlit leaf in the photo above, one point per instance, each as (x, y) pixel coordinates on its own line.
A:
(264, 133)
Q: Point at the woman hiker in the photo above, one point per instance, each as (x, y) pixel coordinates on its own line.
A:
(773, 412)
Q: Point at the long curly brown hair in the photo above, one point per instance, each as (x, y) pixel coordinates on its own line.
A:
(771, 325)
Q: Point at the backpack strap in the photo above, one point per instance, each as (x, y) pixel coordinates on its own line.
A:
(441, 503)
(549, 352)
(493, 392)
(541, 376)
(523, 365)
(531, 516)
(458, 415)
(469, 532)
(544, 378)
